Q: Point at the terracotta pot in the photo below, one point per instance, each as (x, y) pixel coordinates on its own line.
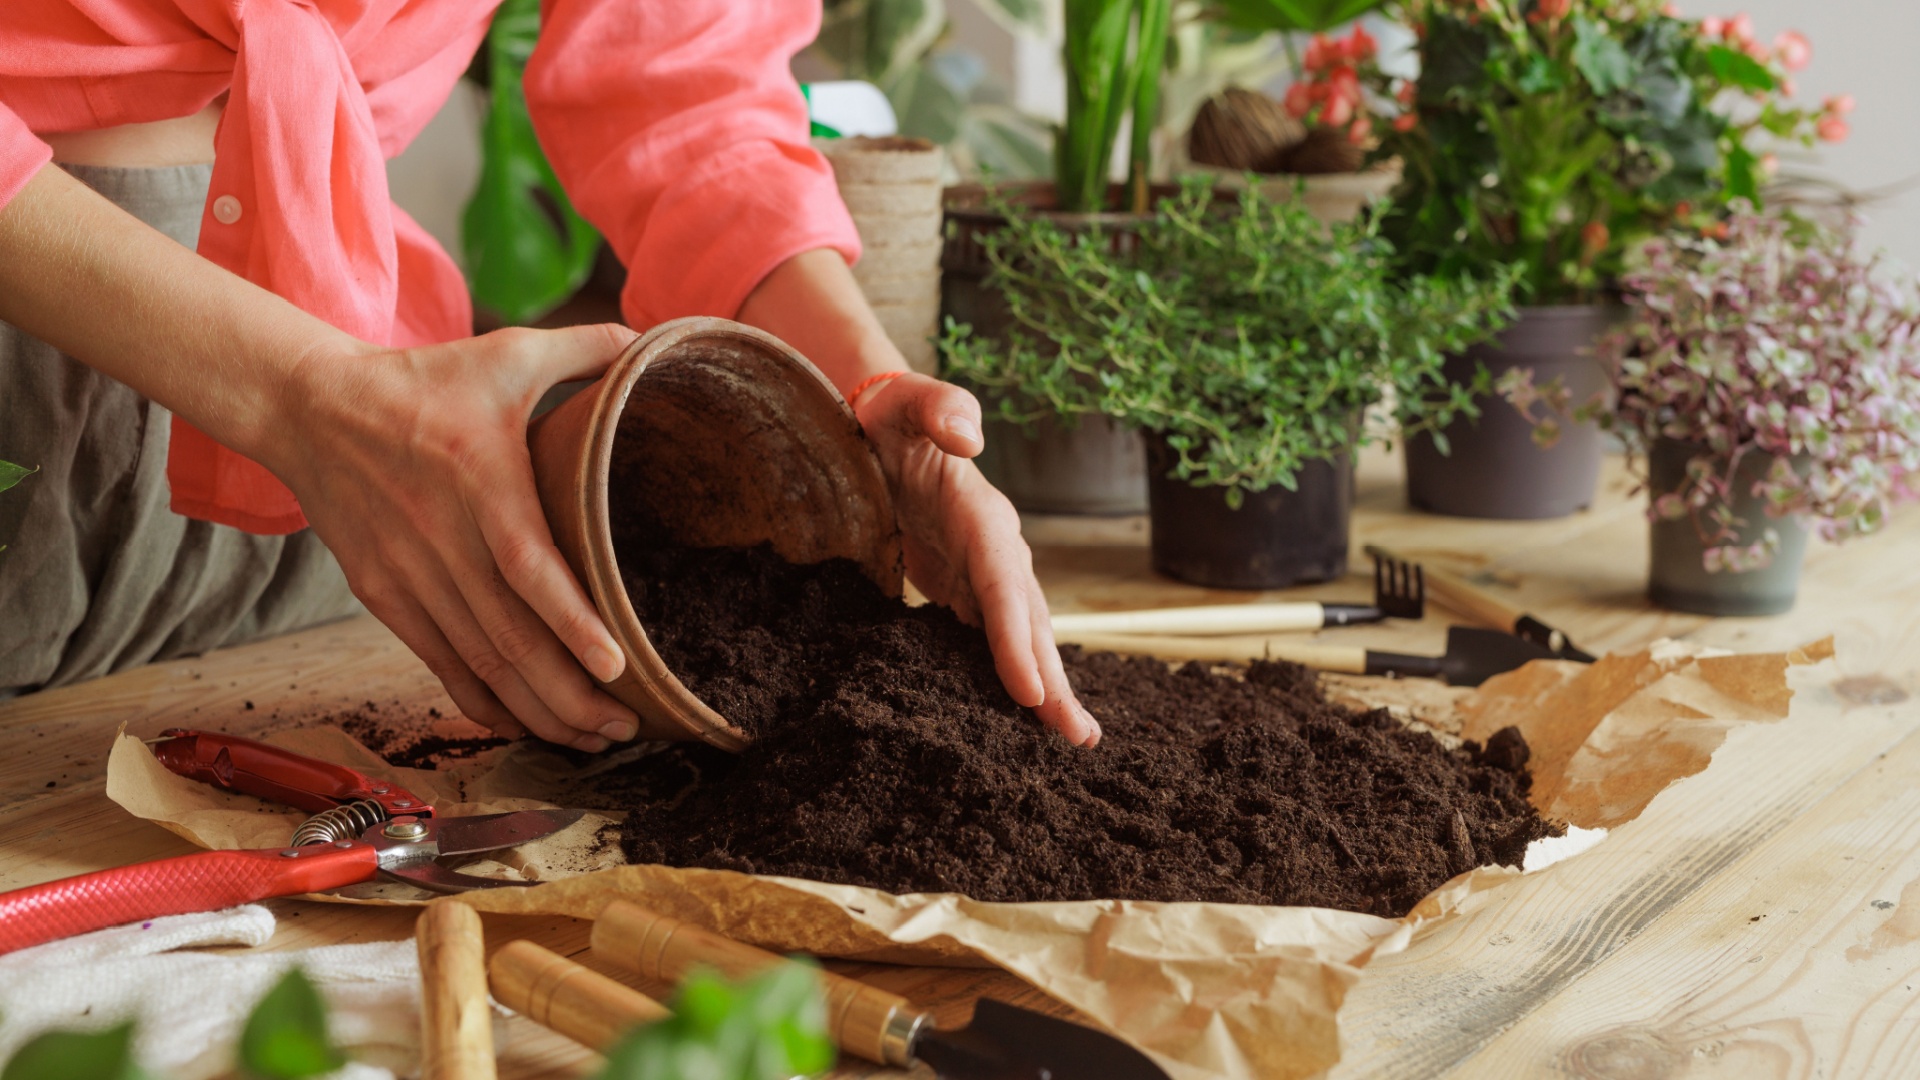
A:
(1677, 576)
(723, 437)
(1494, 468)
(1275, 539)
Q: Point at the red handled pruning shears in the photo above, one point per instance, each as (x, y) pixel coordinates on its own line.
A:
(362, 828)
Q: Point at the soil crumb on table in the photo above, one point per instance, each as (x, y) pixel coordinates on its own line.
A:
(412, 739)
(888, 755)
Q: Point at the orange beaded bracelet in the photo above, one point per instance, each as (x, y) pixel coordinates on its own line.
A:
(869, 383)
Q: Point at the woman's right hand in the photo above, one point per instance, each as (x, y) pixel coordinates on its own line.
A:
(413, 467)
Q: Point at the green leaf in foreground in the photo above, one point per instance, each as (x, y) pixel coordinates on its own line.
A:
(11, 474)
(286, 1036)
(77, 1055)
(767, 1028)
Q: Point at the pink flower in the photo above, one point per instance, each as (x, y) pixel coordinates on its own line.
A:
(1769, 165)
(1740, 29)
(1671, 11)
(1408, 93)
(1344, 82)
(1321, 53)
(1840, 104)
(1794, 50)
(1338, 111)
(1713, 26)
(1299, 100)
(1832, 128)
(1406, 122)
(1550, 10)
(1361, 47)
(1361, 130)
(1788, 87)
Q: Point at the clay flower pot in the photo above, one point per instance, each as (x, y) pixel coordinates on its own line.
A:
(1677, 576)
(723, 437)
(1495, 469)
(1275, 539)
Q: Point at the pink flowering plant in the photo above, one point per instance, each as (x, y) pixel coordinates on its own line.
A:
(1772, 338)
(1560, 134)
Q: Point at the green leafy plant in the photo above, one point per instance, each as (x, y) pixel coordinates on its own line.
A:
(11, 474)
(1295, 16)
(1250, 335)
(1114, 53)
(77, 1055)
(770, 1027)
(1560, 134)
(1770, 338)
(285, 1038)
(526, 247)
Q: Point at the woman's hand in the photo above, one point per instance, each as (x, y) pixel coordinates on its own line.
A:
(962, 539)
(412, 465)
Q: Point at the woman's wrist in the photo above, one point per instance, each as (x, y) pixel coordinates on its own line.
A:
(812, 302)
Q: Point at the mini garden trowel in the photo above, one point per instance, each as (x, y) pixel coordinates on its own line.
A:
(1473, 655)
(1004, 1042)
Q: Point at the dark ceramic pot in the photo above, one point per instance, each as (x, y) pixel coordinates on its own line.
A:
(1677, 577)
(1276, 538)
(1495, 469)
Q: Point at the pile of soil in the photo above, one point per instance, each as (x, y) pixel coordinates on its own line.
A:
(888, 755)
(408, 738)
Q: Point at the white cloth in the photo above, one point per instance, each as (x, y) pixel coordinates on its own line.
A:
(191, 1005)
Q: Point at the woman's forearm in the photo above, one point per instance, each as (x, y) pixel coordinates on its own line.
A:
(812, 303)
(83, 275)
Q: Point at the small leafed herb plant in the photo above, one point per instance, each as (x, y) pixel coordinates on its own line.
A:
(285, 1038)
(770, 1027)
(1247, 333)
(1770, 336)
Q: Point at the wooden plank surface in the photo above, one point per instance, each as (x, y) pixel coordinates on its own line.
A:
(1642, 959)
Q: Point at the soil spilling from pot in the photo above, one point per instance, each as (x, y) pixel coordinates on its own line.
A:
(888, 755)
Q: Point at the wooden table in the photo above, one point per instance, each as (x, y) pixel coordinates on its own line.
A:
(1760, 919)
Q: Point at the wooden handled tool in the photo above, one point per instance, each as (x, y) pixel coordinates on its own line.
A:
(1217, 619)
(456, 1028)
(862, 1019)
(1473, 655)
(1001, 1041)
(577, 1002)
(1489, 610)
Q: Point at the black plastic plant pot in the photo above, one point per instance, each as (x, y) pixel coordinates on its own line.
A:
(1095, 467)
(1274, 539)
(1677, 577)
(1495, 469)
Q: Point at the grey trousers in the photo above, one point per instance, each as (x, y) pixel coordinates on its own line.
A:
(98, 574)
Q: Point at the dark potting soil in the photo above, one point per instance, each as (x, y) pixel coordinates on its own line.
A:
(408, 739)
(888, 755)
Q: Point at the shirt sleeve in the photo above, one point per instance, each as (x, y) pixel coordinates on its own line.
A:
(678, 130)
(22, 154)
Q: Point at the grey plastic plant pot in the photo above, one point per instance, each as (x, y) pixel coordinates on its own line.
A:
(1097, 467)
(1495, 469)
(1677, 577)
(1275, 539)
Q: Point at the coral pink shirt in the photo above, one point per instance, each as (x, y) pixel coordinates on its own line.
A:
(674, 125)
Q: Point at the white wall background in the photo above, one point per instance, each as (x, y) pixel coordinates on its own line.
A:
(1869, 48)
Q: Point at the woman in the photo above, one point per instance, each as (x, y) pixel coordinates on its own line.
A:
(313, 352)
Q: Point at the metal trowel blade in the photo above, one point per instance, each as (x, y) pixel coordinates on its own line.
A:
(1006, 1042)
(1475, 655)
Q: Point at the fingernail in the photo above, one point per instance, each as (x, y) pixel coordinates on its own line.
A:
(605, 663)
(1092, 725)
(965, 428)
(619, 731)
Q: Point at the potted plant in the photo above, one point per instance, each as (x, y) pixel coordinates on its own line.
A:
(1248, 342)
(1317, 142)
(1114, 52)
(1771, 378)
(1555, 135)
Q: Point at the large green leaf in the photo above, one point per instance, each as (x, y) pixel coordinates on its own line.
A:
(925, 105)
(11, 474)
(286, 1034)
(527, 248)
(1295, 16)
(77, 1055)
(768, 1028)
(1733, 66)
(1020, 16)
(1601, 58)
(899, 32)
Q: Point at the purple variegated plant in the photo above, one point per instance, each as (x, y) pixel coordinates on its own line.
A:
(1770, 336)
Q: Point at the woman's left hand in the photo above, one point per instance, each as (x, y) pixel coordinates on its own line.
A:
(962, 539)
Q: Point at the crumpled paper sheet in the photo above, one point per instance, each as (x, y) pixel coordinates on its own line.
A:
(1205, 989)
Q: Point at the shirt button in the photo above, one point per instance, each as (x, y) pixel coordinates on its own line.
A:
(226, 209)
